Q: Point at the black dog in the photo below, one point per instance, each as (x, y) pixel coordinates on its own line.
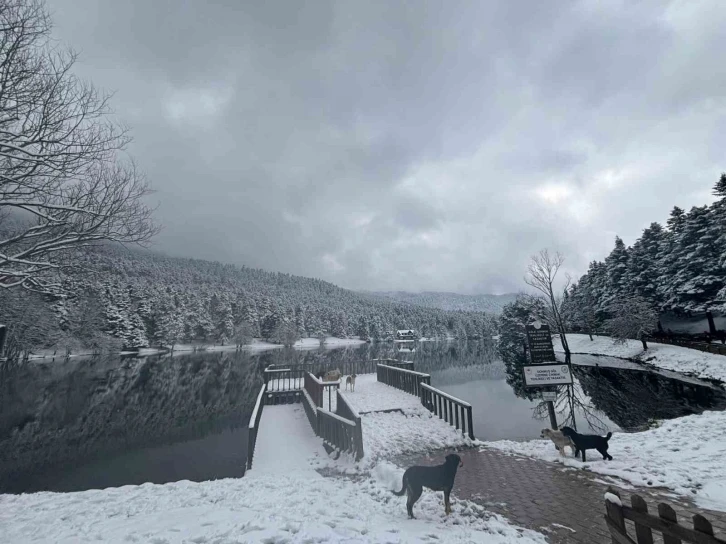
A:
(438, 478)
(585, 442)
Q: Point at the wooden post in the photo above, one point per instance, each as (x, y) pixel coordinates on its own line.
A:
(643, 533)
(614, 517)
(553, 415)
(711, 324)
(358, 438)
(667, 514)
(470, 423)
(3, 336)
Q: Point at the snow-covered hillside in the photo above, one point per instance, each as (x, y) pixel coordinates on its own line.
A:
(142, 298)
(451, 301)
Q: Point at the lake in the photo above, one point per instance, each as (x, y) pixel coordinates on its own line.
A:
(95, 423)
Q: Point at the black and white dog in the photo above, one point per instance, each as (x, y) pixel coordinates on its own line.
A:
(585, 442)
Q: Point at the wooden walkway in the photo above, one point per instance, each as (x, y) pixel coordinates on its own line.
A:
(285, 441)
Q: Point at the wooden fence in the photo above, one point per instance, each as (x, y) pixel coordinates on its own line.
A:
(346, 367)
(319, 390)
(405, 380)
(396, 363)
(254, 425)
(692, 342)
(454, 411)
(665, 523)
(342, 431)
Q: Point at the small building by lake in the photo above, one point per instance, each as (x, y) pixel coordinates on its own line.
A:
(406, 334)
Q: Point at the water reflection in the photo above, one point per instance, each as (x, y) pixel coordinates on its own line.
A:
(80, 424)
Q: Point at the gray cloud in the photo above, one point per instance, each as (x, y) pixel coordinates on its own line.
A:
(434, 145)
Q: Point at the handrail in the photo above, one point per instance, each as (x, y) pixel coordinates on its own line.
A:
(446, 395)
(258, 403)
(455, 412)
(346, 406)
(254, 425)
(336, 416)
(413, 372)
(400, 378)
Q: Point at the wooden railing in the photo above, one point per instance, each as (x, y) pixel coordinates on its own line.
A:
(346, 367)
(699, 342)
(320, 391)
(454, 411)
(340, 432)
(310, 410)
(254, 425)
(396, 363)
(666, 523)
(346, 410)
(284, 379)
(405, 380)
(343, 431)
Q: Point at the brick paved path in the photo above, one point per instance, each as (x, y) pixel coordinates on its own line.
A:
(542, 495)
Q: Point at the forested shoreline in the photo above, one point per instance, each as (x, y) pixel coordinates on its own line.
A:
(126, 299)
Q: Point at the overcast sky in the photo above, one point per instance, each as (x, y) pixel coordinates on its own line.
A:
(417, 145)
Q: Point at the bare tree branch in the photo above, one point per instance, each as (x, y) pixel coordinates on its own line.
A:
(62, 182)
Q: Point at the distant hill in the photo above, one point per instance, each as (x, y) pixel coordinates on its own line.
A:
(452, 301)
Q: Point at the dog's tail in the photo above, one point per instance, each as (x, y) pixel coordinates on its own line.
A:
(608, 436)
(403, 488)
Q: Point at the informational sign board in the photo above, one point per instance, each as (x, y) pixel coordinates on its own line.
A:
(539, 339)
(549, 396)
(539, 375)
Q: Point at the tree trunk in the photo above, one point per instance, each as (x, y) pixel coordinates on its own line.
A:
(642, 339)
(590, 334)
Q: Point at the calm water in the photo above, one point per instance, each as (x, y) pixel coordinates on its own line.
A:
(94, 423)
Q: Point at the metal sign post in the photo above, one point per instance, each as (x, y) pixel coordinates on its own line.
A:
(545, 370)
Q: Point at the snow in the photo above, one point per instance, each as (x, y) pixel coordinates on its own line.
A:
(307, 343)
(282, 499)
(333, 341)
(372, 395)
(610, 497)
(281, 426)
(685, 455)
(413, 429)
(666, 356)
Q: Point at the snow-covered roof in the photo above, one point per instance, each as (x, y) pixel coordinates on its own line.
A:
(406, 331)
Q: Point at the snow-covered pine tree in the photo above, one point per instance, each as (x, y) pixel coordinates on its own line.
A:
(644, 272)
(616, 265)
(698, 277)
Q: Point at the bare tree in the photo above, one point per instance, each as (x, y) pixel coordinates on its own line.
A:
(541, 274)
(633, 317)
(243, 334)
(63, 184)
(286, 334)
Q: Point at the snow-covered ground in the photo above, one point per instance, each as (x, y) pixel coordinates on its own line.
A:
(386, 435)
(680, 359)
(372, 395)
(686, 455)
(282, 499)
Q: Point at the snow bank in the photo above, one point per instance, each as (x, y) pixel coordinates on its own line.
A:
(669, 357)
(290, 508)
(685, 454)
(333, 341)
